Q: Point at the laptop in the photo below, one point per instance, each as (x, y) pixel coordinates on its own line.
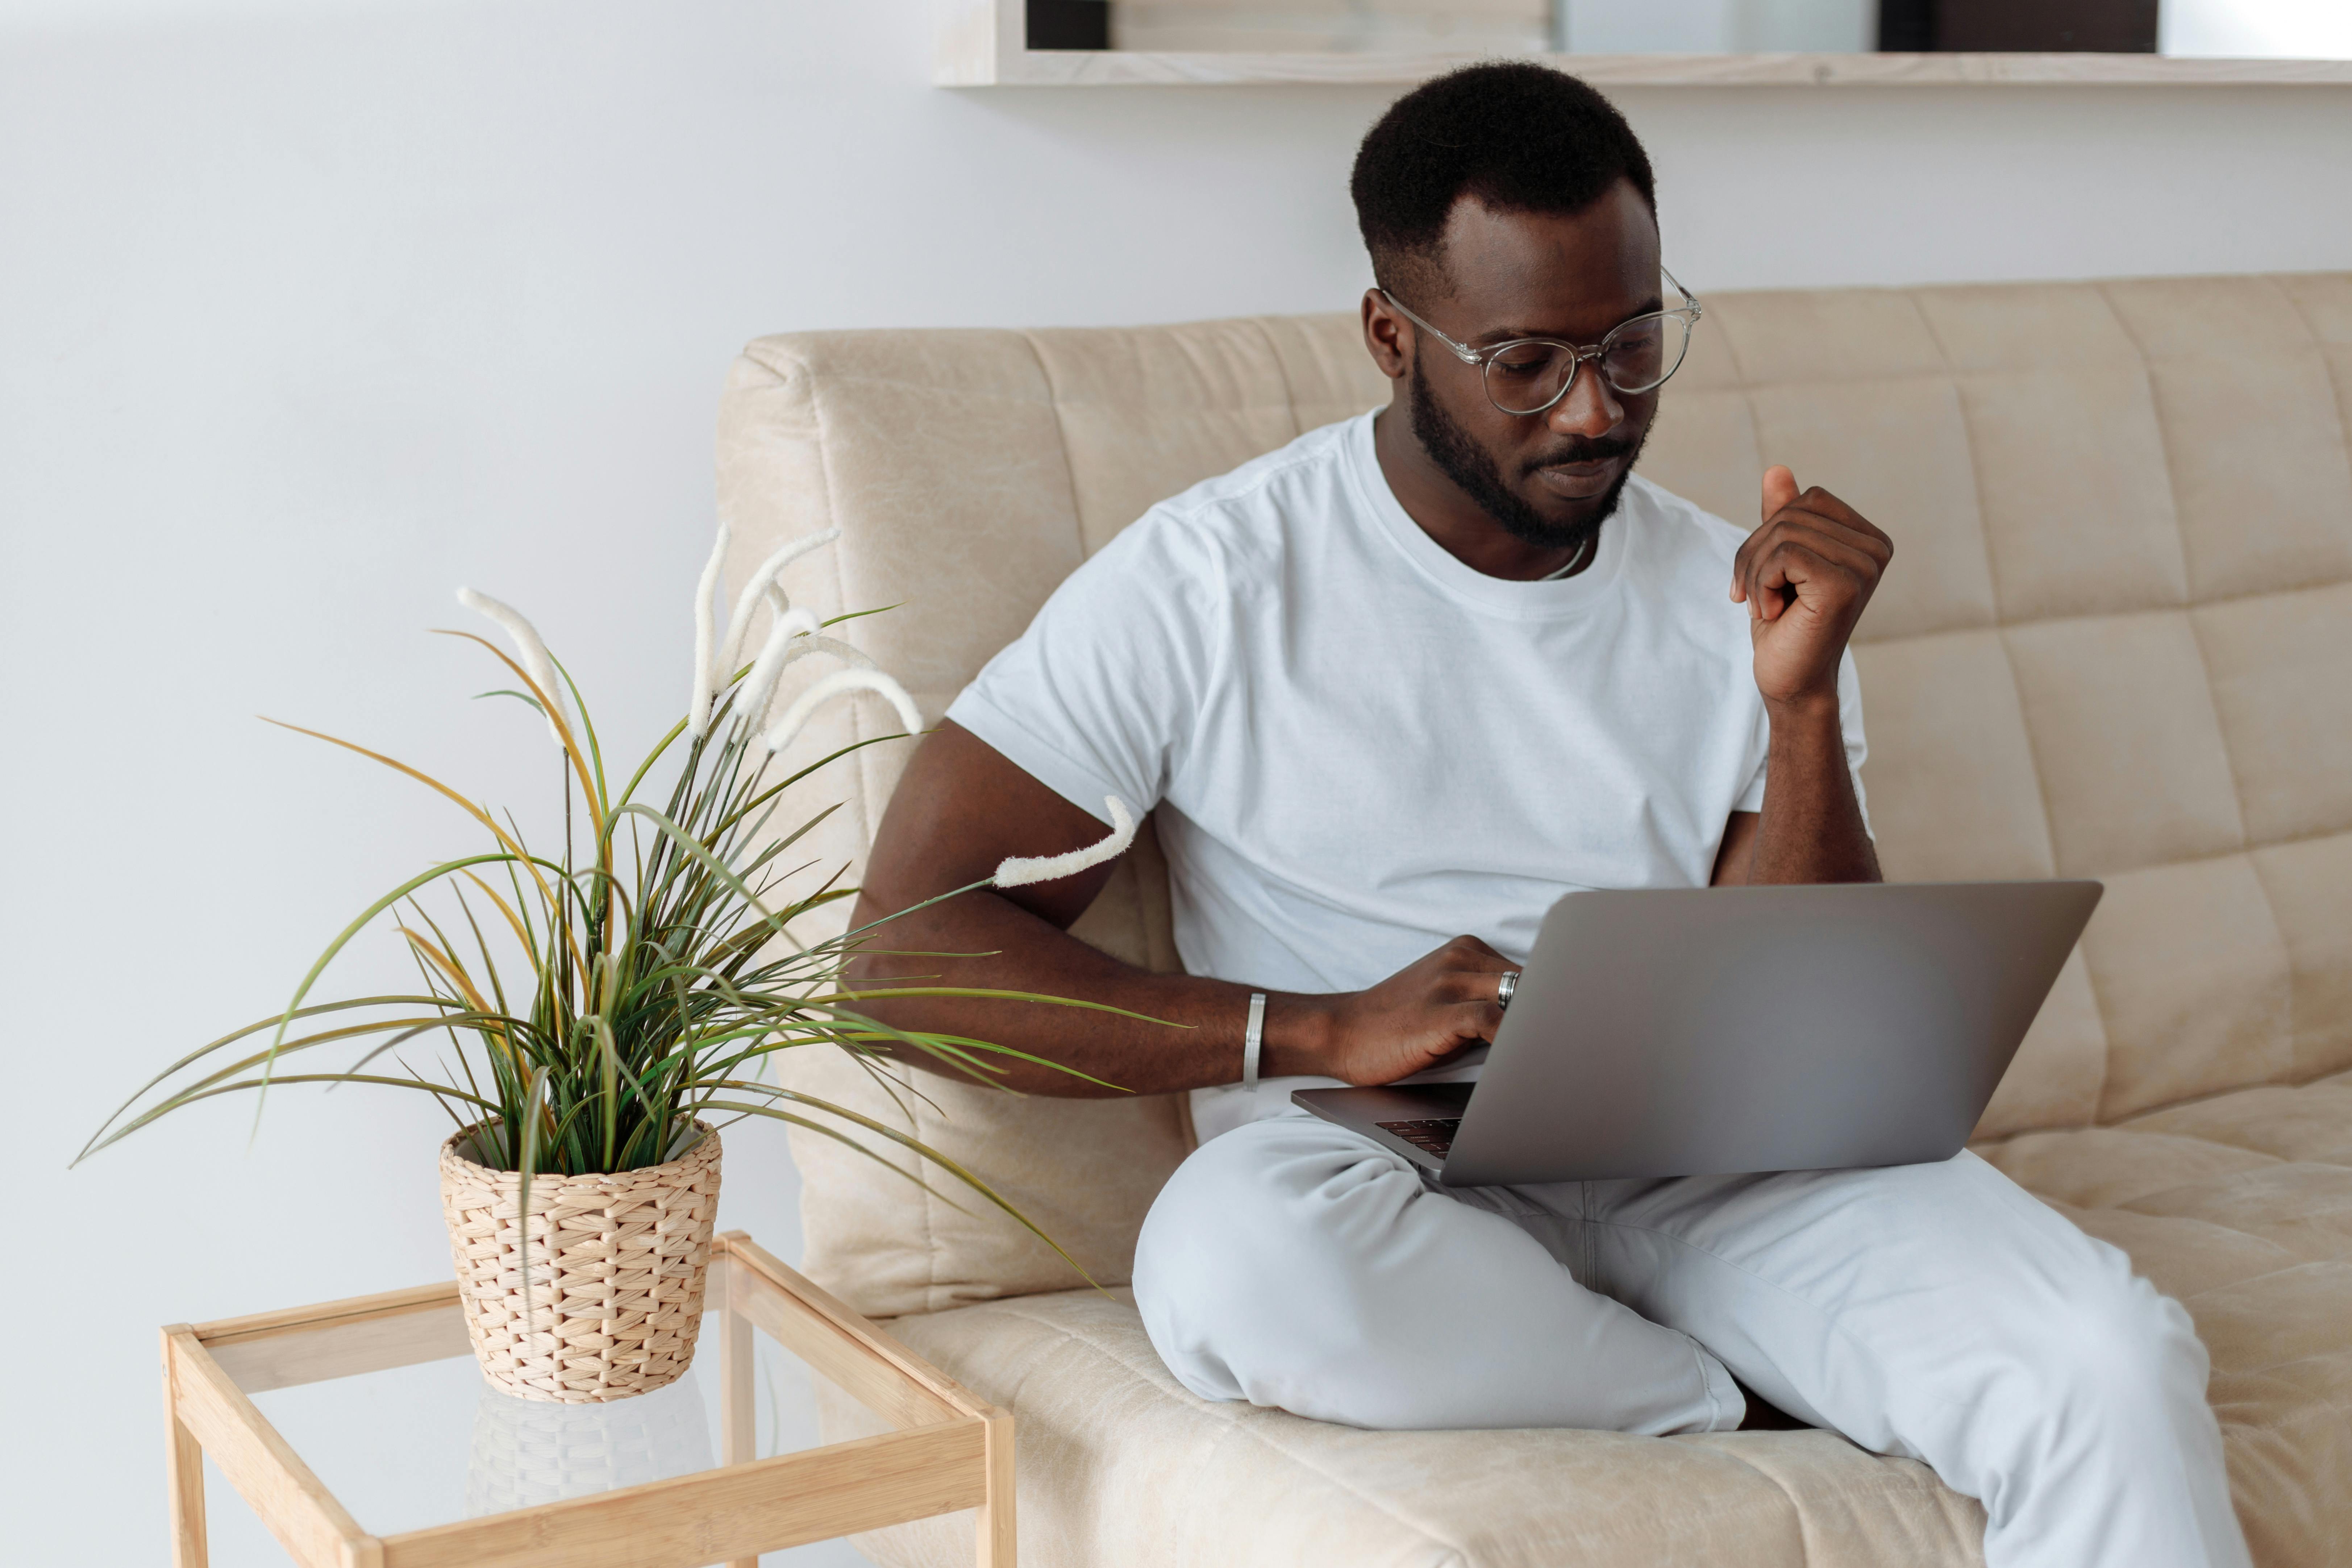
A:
(1705, 1031)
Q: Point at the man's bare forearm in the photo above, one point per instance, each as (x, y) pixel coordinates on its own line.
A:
(1806, 576)
(1190, 1035)
(1811, 830)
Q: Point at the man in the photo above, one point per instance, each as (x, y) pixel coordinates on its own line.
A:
(1417, 675)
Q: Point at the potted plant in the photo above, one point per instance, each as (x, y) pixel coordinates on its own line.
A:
(601, 1013)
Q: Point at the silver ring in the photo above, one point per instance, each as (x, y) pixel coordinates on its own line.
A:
(1504, 985)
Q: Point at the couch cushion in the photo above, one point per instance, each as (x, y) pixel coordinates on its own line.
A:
(2240, 1206)
(1118, 1465)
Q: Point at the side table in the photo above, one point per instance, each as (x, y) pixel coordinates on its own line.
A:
(946, 1450)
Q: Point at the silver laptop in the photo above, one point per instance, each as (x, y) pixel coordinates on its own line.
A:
(1697, 1031)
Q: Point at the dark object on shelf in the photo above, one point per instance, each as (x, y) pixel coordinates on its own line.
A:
(2034, 27)
(1069, 24)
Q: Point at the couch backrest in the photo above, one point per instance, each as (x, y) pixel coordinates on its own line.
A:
(2115, 642)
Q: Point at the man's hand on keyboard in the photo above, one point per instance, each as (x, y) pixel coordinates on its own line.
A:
(1432, 1010)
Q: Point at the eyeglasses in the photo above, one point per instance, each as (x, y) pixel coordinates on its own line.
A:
(1528, 375)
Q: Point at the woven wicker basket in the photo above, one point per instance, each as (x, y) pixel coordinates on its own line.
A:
(617, 1265)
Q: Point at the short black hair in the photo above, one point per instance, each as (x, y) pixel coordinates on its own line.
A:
(1517, 136)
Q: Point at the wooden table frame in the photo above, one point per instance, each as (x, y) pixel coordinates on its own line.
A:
(949, 1450)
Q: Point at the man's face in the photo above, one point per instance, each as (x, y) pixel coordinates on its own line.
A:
(1549, 478)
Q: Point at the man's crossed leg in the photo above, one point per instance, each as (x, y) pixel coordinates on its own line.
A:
(1934, 1311)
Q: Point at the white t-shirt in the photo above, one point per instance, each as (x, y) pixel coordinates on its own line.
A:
(1360, 748)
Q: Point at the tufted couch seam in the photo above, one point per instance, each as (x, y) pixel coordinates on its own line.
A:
(2207, 1096)
(2229, 756)
(1282, 369)
(2049, 828)
(2225, 1143)
(1061, 441)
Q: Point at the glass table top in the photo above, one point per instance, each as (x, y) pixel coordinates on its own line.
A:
(431, 1443)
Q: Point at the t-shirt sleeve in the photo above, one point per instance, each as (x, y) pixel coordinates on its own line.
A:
(1098, 697)
(1856, 748)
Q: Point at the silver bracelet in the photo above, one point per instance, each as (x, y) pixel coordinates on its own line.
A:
(1252, 1039)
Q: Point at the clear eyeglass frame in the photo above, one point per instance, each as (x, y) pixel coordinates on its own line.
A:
(1688, 314)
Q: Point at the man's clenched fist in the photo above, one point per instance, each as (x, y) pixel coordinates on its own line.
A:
(1805, 576)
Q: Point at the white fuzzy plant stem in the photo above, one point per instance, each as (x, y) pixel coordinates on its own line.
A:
(818, 643)
(758, 686)
(534, 652)
(1018, 870)
(841, 683)
(761, 584)
(706, 677)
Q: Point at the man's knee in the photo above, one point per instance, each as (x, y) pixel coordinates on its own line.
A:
(2117, 1357)
(2063, 1319)
(1250, 1213)
(2128, 1341)
(1256, 1254)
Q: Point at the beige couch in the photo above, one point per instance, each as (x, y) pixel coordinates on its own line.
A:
(2117, 642)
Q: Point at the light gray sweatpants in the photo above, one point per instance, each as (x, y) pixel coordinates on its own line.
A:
(1934, 1311)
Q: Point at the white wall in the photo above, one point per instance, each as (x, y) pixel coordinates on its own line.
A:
(1720, 26)
(306, 318)
(2307, 30)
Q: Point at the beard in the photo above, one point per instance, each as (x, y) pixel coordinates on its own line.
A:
(1473, 469)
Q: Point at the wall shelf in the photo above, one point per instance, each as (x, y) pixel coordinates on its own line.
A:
(982, 43)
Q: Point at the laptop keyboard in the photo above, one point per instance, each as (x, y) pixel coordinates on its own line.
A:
(1434, 1136)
